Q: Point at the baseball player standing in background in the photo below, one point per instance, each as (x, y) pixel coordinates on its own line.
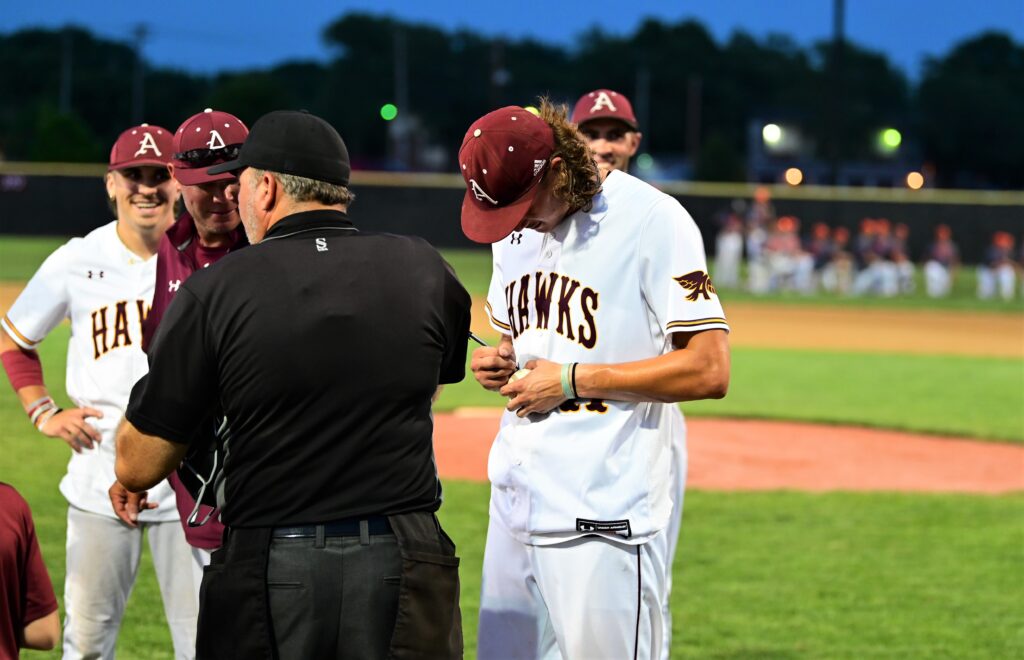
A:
(600, 288)
(209, 229)
(103, 283)
(606, 119)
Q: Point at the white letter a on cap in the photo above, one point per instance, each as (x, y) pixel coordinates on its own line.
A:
(479, 193)
(146, 143)
(603, 101)
(216, 141)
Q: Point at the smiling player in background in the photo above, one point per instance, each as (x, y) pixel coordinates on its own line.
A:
(103, 283)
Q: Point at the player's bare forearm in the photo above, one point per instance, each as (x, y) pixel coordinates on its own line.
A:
(697, 369)
(144, 460)
(69, 425)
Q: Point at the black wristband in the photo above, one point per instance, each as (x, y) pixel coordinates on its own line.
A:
(572, 380)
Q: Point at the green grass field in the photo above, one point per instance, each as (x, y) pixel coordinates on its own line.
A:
(758, 575)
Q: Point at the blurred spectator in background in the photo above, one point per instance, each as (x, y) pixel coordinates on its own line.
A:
(789, 267)
(821, 249)
(877, 273)
(729, 251)
(942, 259)
(760, 220)
(837, 275)
(900, 256)
(998, 271)
(28, 606)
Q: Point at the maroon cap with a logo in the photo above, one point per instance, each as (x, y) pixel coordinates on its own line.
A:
(502, 158)
(141, 145)
(604, 104)
(204, 139)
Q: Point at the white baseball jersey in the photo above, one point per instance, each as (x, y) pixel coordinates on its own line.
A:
(105, 290)
(606, 286)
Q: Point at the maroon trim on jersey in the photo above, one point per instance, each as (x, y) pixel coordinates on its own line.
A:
(176, 260)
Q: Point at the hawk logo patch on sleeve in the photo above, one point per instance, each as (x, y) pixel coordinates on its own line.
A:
(698, 283)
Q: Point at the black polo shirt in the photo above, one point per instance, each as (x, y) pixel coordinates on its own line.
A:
(323, 345)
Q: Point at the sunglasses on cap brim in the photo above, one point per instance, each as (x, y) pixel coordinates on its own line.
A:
(206, 157)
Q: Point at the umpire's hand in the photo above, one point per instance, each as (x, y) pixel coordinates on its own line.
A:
(493, 365)
(127, 504)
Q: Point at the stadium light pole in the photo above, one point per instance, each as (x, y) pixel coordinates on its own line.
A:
(838, 86)
(140, 33)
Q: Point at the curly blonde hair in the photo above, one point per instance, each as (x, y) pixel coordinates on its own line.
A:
(578, 178)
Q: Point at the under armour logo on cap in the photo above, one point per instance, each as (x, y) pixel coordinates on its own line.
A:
(502, 158)
(604, 104)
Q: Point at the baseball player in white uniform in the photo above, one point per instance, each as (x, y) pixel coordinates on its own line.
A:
(606, 119)
(103, 283)
(601, 293)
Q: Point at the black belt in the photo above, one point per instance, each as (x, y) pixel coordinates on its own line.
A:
(345, 527)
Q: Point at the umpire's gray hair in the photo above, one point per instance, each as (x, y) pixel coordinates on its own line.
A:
(301, 189)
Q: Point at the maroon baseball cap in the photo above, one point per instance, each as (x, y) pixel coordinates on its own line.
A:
(207, 138)
(502, 158)
(604, 104)
(141, 145)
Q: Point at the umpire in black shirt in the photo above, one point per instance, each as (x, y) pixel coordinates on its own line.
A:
(323, 344)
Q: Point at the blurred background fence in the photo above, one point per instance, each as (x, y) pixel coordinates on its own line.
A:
(64, 199)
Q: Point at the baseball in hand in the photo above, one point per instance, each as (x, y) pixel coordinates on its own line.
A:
(522, 373)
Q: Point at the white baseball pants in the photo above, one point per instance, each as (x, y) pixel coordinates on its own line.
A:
(102, 561)
(587, 598)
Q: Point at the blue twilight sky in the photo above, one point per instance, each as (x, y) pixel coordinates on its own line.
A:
(204, 36)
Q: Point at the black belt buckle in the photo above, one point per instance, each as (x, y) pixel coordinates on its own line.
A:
(346, 527)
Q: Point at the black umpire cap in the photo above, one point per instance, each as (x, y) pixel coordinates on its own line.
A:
(293, 142)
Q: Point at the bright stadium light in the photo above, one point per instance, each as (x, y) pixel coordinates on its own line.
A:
(388, 111)
(794, 176)
(645, 161)
(772, 134)
(915, 180)
(889, 140)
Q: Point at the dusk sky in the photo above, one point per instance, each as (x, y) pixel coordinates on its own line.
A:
(201, 36)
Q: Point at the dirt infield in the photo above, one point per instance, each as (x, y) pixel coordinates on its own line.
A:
(755, 455)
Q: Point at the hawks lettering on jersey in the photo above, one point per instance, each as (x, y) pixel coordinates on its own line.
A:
(569, 296)
(106, 337)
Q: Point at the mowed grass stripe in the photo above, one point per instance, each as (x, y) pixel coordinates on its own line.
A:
(946, 395)
(765, 575)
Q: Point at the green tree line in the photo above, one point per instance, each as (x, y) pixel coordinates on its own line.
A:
(65, 94)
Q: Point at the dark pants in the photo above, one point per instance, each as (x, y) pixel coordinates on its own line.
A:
(334, 601)
(365, 596)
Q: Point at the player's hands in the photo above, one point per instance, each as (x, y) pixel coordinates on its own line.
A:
(127, 505)
(492, 365)
(540, 391)
(71, 427)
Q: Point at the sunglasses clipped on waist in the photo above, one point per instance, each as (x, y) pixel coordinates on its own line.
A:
(206, 157)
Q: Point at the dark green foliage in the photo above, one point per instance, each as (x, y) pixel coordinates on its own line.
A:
(962, 118)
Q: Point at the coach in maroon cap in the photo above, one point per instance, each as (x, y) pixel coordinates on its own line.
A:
(606, 119)
(207, 230)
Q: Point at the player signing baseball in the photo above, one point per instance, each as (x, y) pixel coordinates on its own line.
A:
(606, 119)
(599, 288)
(103, 283)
